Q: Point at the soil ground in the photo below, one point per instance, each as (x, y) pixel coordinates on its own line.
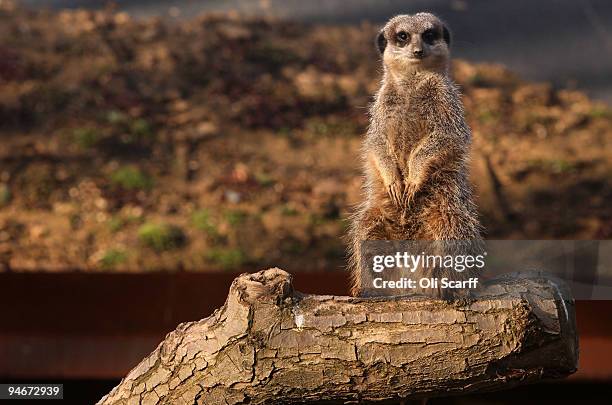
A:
(225, 143)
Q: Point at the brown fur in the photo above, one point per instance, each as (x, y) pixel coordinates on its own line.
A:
(415, 153)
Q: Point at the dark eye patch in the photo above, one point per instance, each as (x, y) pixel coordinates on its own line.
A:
(430, 36)
(402, 36)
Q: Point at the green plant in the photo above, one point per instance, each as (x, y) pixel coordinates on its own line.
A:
(133, 130)
(600, 111)
(115, 224)
(488, 116)
(131, 178)
(227, 258)
(5, 195)
(285, 132)
(559, 166)
(318, 127)
(316, 219)
(292, 246)
(556, 166)
(141, 128)
(288, 211)
(235, 217)
(161, 237)
(202, 221)
(112, 258)
(115, 117)
(264, 179)
(86, 137)
(477, 80)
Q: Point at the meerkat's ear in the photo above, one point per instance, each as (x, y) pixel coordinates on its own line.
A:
(381, 42)
(446, 35)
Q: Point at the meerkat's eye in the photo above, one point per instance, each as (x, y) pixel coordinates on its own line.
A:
(402, 36)
(430, 36)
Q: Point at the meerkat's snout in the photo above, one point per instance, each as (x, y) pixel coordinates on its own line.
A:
(417, 51)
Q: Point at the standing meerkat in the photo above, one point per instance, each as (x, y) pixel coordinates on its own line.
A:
(416, 151)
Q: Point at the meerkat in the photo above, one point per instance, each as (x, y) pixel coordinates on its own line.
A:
(416, 150)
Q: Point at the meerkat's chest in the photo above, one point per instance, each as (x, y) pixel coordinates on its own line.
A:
(405, 127)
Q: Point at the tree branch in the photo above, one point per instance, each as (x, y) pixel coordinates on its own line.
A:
(270, 344)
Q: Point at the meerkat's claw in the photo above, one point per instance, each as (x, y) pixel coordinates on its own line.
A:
(396, 192)
(410, 191)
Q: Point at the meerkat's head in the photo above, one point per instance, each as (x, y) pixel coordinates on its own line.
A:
(412, 43)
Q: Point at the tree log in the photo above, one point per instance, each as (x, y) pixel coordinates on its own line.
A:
(269, 344)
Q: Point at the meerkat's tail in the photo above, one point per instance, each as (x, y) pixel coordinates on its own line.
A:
(354, 241)
(366, 223)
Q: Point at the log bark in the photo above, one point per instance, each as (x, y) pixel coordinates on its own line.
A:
(270, 344)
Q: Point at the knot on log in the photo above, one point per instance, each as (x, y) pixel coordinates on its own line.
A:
(269, 342)
(272, 285)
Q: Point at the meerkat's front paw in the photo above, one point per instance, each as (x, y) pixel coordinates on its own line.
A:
(396, 192)
(410, 191)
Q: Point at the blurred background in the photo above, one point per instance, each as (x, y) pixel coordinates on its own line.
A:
(152, 150)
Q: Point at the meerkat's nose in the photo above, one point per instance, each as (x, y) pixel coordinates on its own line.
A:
(417, 52)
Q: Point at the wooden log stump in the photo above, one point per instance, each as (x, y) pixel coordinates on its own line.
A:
(269, 344)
